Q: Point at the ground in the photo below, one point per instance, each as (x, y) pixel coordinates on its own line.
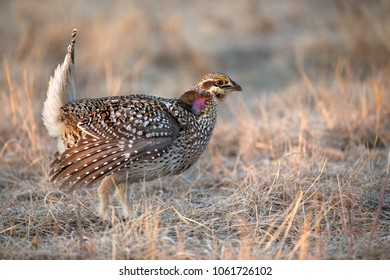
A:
(298, 164)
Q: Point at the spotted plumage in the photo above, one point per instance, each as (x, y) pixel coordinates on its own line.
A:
(124, 139)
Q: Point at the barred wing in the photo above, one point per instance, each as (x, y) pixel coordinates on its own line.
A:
(117, 135)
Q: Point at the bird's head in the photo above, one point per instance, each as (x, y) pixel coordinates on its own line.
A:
(218, 85)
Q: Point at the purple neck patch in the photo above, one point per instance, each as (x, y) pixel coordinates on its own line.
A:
(198, 106)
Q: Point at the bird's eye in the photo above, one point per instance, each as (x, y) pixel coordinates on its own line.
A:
(219, 83)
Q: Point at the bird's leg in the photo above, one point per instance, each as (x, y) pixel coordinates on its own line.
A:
(123, 197)
(105, 191)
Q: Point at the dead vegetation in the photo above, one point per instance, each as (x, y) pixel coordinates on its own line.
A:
(301, 173)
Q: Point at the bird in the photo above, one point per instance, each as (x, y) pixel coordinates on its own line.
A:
(120, 140)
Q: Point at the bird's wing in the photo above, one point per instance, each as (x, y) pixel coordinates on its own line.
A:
(118, 134)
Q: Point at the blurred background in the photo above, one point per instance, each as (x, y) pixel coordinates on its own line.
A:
(287, 174)
(163, 47)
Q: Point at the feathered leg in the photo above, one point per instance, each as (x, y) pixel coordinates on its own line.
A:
(123, 197)
(105, 191)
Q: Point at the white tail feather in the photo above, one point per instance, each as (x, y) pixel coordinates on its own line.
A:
(61, 91)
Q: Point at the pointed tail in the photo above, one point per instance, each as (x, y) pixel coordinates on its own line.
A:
(61, 91)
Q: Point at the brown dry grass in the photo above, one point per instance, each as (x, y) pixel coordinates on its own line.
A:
(301, 173)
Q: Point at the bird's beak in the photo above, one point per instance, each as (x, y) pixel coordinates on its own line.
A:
(235, 87)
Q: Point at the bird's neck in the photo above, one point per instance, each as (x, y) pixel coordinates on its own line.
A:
(198, 102)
